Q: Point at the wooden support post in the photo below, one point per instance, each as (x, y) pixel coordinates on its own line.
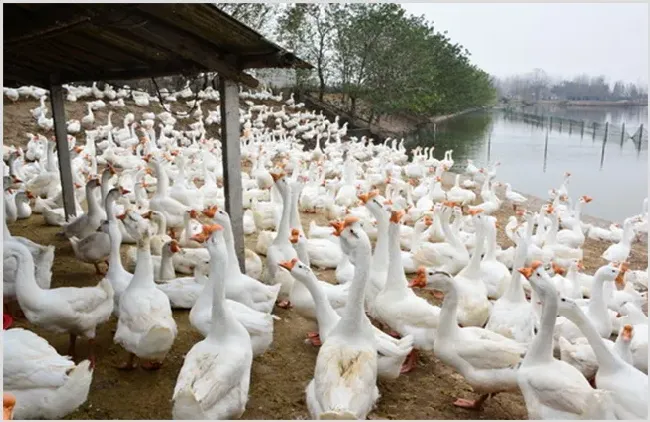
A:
(231, 160)
(582, 129)
(570, 126)
(640, 133)
(63, 153)
(606, 130)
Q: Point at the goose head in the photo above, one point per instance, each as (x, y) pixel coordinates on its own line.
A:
(539, 281)
(212, 237)
(136, 225)
(568, 307)
(430, 279)
(297, 269)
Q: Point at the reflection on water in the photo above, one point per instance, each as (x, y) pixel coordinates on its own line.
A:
(534, 158)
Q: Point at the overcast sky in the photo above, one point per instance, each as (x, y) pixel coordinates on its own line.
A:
(563, 39)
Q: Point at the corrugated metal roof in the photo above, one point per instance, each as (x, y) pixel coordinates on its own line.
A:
(87, 42)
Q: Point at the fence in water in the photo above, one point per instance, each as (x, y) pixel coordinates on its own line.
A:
(606, 132)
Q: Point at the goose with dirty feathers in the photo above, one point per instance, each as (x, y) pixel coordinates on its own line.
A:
(345, 377)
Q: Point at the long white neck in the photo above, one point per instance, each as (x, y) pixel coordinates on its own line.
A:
(607, 360)
(143, 274)
(515, 292)
(416, 237)
(354, 312)
(27, 287)
(162, 182)
(474, 266)
(325, 313)
(222, 318)
(283, 230)
(451, 235)
(597, 307)
(396, 281)
(93, 206)
(233, 260)
(295, 222)
(551, 234)
(448, 325)
(167, 271)
(572, 276)
(541, 348)
(162, 224)
(380, 255)
(491, 253)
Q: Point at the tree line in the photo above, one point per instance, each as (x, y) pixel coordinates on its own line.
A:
(537, 85)
(378, 59)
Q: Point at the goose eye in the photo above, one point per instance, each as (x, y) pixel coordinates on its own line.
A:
(563, 300)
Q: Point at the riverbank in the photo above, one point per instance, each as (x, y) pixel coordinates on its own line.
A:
(580, 103)
(387, 126)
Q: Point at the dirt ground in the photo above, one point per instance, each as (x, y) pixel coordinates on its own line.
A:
(279, 377)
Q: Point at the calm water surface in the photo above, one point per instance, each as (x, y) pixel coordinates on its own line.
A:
(614, 173)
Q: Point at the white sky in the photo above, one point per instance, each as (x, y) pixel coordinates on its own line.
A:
(564, 39)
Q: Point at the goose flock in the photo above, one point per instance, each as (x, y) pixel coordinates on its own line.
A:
(524, 318)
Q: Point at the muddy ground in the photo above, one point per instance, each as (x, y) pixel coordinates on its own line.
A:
(279, 377)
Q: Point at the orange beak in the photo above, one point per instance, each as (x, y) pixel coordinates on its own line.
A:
(29, 194)
(363, 197)
(557, 269)
(277, 176)
(396, 216)
(124, 191)
(627, 333)
(8, 404)
(526, 271)
(174, 247)
(474, 212)
(77, 185)
(210, 212)
(428, 221)
(200, 237)
(338, 227)
(147, 158)
(288, 265)
(148, 171)
(194, 214)
(111, 169)
(581, 265)
(147, 214)
(620, 278)
(521, 212)
(420, 279)
(77, 149)
(122, 216)
(295, 236)
(388, 202)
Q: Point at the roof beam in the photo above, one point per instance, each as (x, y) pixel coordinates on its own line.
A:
(192, 48)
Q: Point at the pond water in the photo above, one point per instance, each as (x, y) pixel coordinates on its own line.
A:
(535, 155)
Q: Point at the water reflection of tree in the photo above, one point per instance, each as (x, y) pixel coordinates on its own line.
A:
(462, 134)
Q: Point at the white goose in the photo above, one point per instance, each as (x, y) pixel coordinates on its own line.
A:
(146, 327)
(214, 379)
(345, 377)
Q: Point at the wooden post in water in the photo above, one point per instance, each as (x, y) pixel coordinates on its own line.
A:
(545, 151)
(622, 133)
(570, 126)
(606, 130)
(593, 135)
(488, 148)
(582, 129)
(640, 133)
(550, 122)
(560, 125)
